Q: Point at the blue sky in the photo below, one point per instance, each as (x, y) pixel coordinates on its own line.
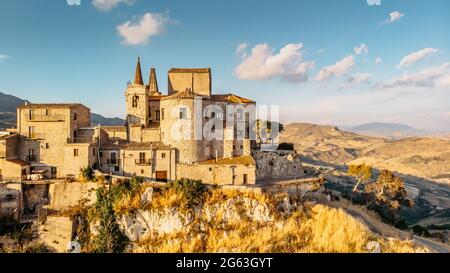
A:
(326, 72)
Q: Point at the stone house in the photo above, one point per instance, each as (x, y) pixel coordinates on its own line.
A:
(188, 132)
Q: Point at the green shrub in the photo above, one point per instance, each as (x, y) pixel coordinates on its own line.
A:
(193, 191)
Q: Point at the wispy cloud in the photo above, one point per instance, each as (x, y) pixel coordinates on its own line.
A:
(378, 60)
(106, 5)
(362, 49)
(263, 64)
(3, 57)
(394, 16)
(337, 69)
(139, 30)
(240, 49)
(356, 79)
(416, 56)
(430, 77)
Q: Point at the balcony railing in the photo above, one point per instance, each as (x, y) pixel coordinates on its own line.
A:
(46, 118)
(143, 161)
(32, 158)
(113, 162)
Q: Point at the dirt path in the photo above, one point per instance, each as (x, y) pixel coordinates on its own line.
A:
(375, 225)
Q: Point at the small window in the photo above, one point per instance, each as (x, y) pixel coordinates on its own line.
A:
(142, 171)
(75, 152)
(47, 145)
(245, 179)
(47, 112)
(74, 116)
(158, 115)
(116, 168)
(94, 151)
(101, 154)
(162, 113)
(31, 114)
(163, 155)
(213, 129)
(183, 113)
(210, 169)
(134, 102)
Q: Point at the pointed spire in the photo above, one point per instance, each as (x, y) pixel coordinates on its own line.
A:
(152, 82)
(138, 75)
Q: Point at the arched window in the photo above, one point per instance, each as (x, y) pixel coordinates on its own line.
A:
(135, 101)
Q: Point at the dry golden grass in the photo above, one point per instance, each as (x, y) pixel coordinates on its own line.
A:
(321, 229)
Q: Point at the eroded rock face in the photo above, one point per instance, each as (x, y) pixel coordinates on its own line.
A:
(170, 220)
(143, 223)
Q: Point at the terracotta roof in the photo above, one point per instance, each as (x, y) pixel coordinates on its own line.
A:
(19, 162)
(122, 144)
(190, 70)
(156, 97)
(51, 105)
(240, 160)
(187, 94)
(156, 145)
(230, 98)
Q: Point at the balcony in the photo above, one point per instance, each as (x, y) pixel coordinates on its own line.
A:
(31, 158)
(144, 162)
(113, 162)
(46, 118)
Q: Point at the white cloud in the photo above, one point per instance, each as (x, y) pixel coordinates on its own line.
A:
(394, 16)
(338, 69)
(430, 77)
(444, 81)
(416, 56)
(357, 79)
(140, 29)
(362, 49)
(378, 60)
(374, 2)
(105, 5)
(240, 49)
(263, 64)
(3, 57)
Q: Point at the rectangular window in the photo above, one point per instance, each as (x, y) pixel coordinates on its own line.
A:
(75, 152)
(32, 132)
(141, 158)
(94, 151)
(183, 113)
(162, 113)
(74, 116)
(163, 155)
(47, 145)
(31, 114)
(245, 179)
(47, 112)
(158, 115)
(142, 171)
(101, 154)
(134, 102)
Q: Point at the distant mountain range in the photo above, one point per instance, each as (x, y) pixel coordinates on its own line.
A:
(9, 104)
(387, 130)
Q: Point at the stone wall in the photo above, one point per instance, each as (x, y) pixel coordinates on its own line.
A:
(200, 83)
(221, 174)
(9, 204)
(278, 165)
(63, 195)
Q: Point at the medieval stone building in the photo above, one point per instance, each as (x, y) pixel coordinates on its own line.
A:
(188, 132)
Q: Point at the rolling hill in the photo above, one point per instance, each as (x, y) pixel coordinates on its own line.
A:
(388, 130)
(425, 157)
